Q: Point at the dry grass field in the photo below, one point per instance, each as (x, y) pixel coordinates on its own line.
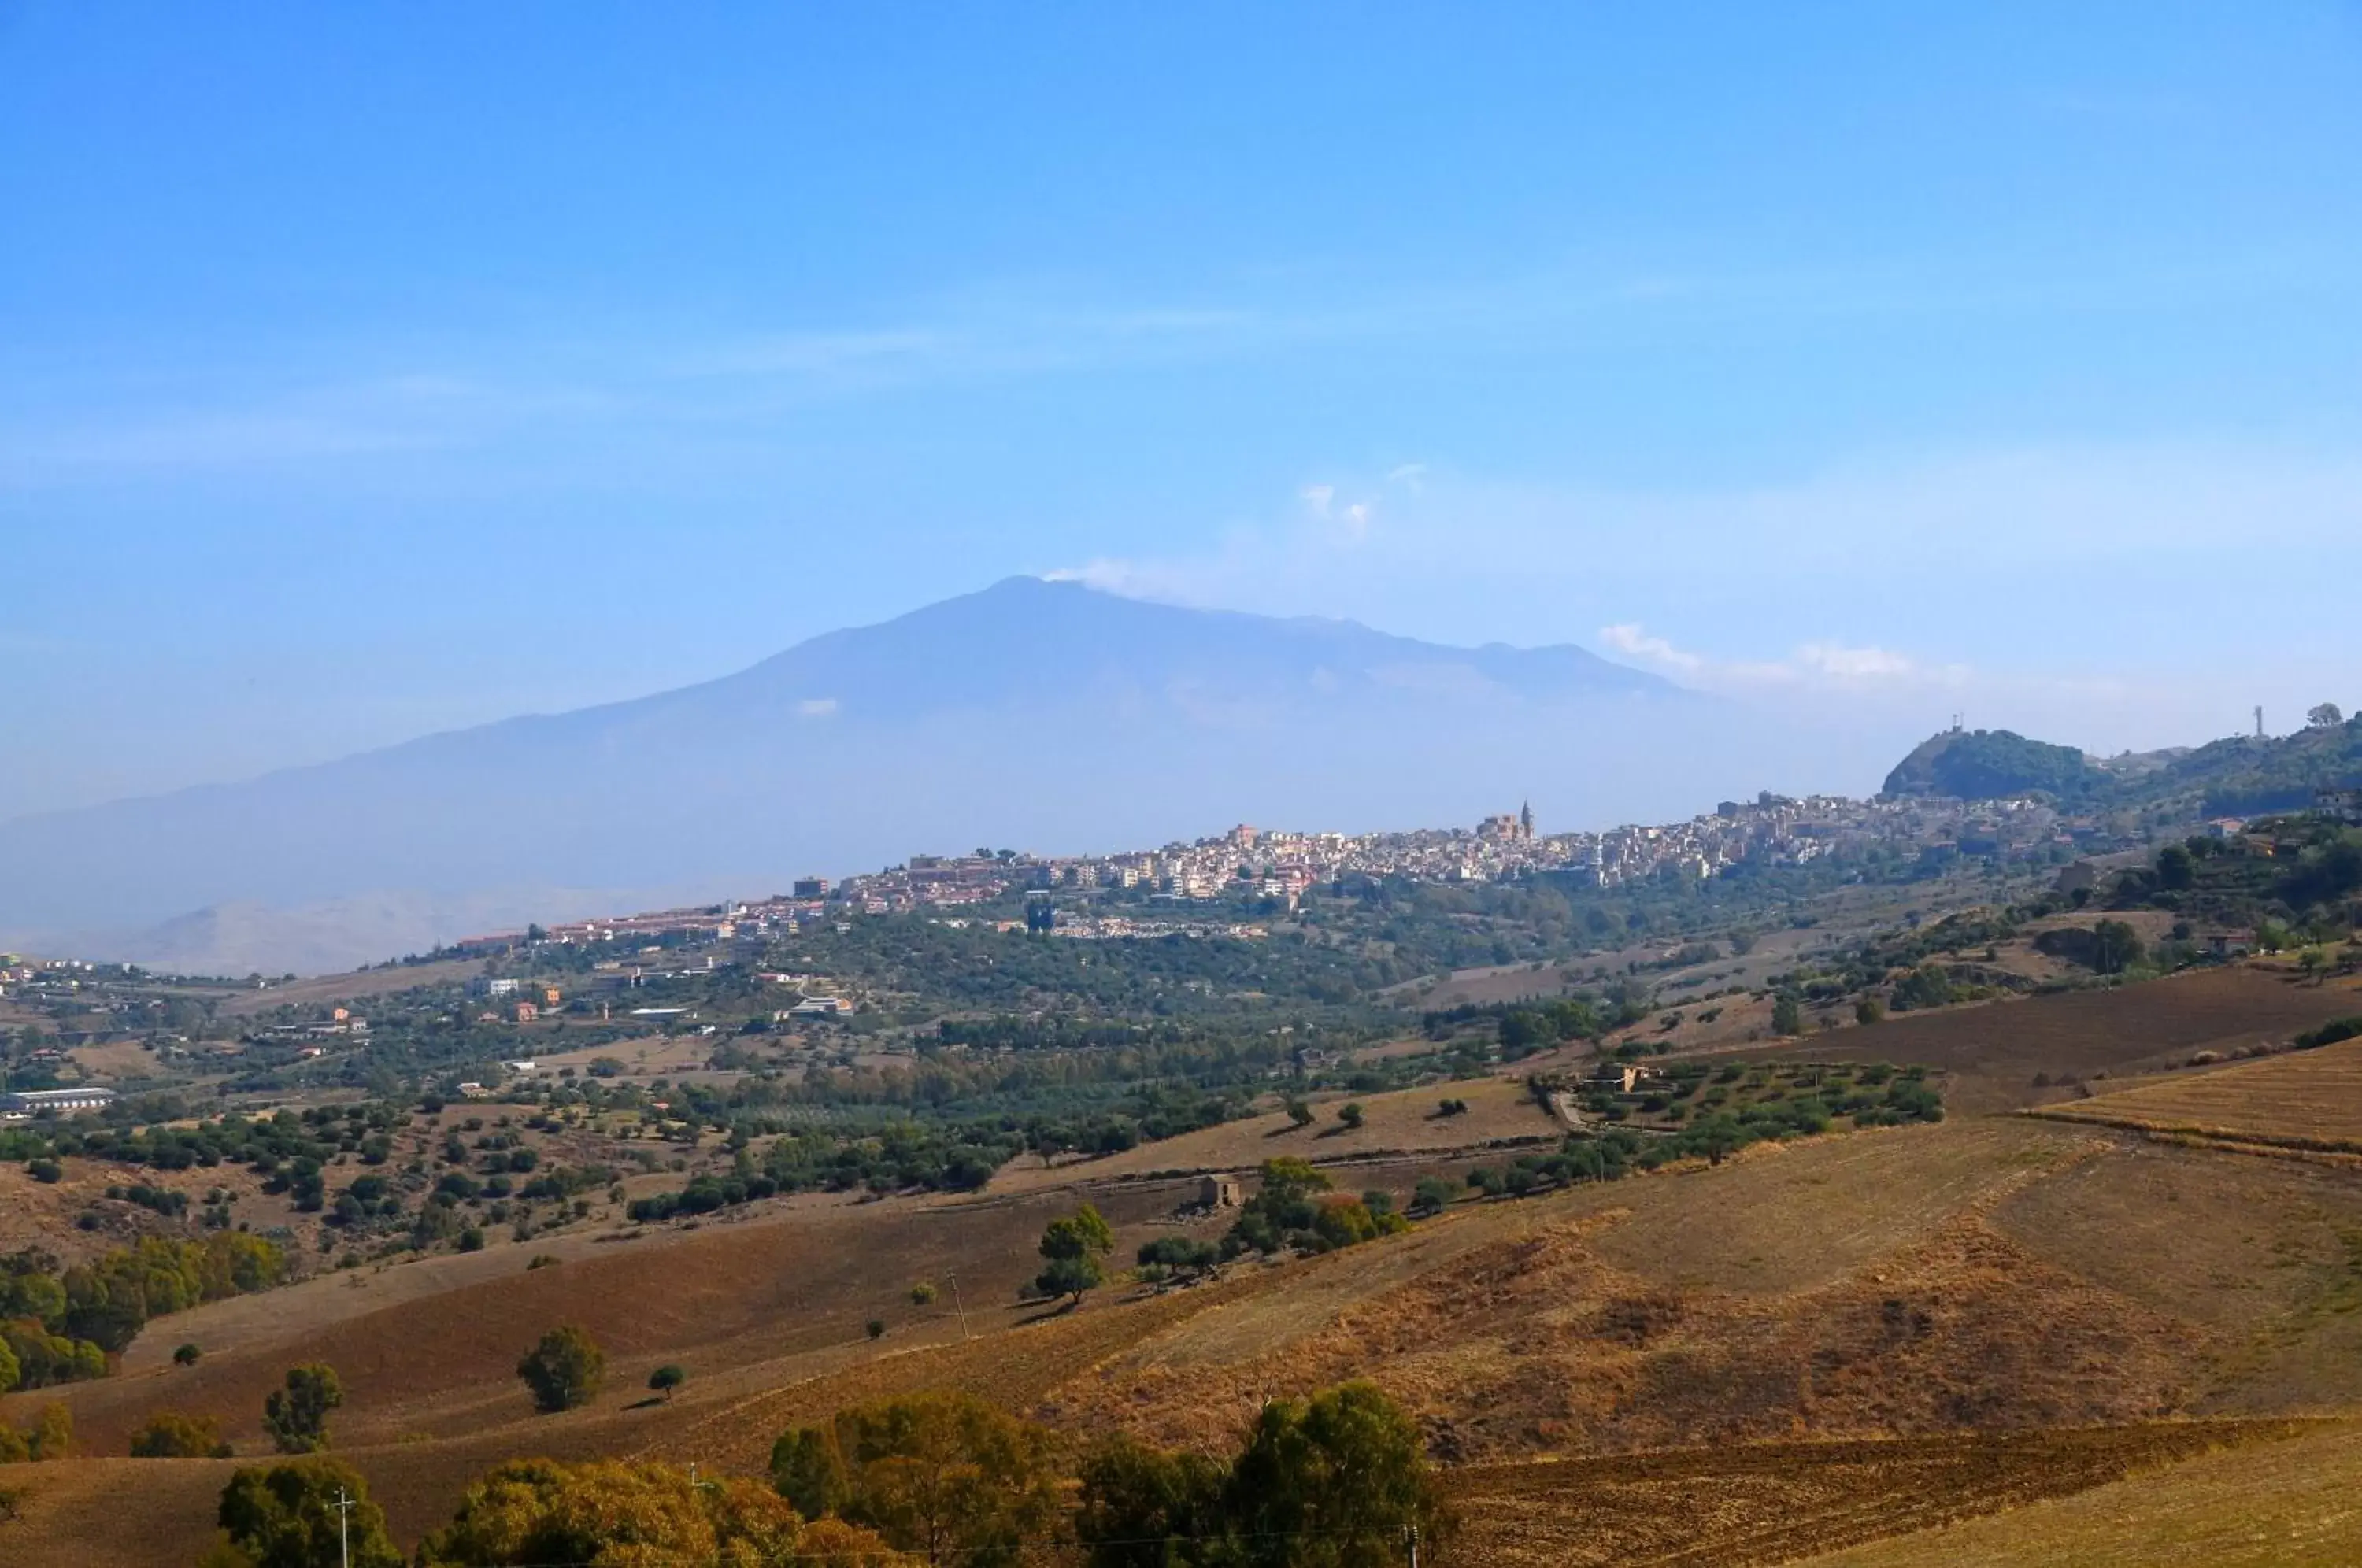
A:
(2301, 1100)
(1400, 1122)
(322, 989)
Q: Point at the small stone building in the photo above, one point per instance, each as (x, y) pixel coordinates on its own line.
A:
(1219, 1192)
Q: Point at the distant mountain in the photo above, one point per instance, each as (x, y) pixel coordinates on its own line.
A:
(2241, 775)
(1039, 715)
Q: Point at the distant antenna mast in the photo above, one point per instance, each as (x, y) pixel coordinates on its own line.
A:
(2260, 721)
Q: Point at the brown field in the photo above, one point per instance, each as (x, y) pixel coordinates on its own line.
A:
(2301, 1101)
(122, 1059)
(1992, 1050)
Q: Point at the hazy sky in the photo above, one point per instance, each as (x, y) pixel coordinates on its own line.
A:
(372, 370)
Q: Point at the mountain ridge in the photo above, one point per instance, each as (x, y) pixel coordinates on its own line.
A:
(1028, 711)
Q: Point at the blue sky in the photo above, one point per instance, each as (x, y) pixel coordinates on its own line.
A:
(367, 370)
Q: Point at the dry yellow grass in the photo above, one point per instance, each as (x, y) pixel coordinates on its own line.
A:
(2303, 1100)
(2275, 1505)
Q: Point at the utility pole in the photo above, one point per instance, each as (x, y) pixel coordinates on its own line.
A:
(344, 1527)
(1413, 1533)
(957, 1305)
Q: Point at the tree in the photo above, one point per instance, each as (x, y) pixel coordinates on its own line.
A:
(1431, 1195)
(169, 1434)
(1340, 1481)
(2325, 717)
(563, 1370)
(1786, 1017)
(1282, 1211)
(287, 1517)
(667, 1378)
(1869, 1009)
(2315, 965)
(1142, 1507)
(1073, 1247)
(296, 1416)
(2177, 868)
(1350, 1113)
(2116, 947)
(537, 1511)
(1930, 985)
(186, 1355)
(875, 1328)
(945, 1476)
(922, 1294)
(809, 1472)
(1179, 1252)
(1299, 1113)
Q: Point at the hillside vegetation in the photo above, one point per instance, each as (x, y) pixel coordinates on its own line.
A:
(2241, 775)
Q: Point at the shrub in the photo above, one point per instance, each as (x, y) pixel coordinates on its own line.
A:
(186, 1355)
(537, 1511)
(169, 1434)
(2330, 1033)
(667, 1378)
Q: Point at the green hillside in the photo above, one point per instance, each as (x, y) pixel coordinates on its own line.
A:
(1981, 765)
(2243, 775)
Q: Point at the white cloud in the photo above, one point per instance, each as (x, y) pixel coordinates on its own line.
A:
(2053, 589)
(1317, 498)
(816, 708)
(1811, 663)
(1629, 639)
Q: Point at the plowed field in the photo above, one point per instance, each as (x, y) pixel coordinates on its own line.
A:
(1775, 1502)
(1995, 1051)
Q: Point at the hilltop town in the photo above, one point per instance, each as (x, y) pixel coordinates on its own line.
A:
(1771, 831)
